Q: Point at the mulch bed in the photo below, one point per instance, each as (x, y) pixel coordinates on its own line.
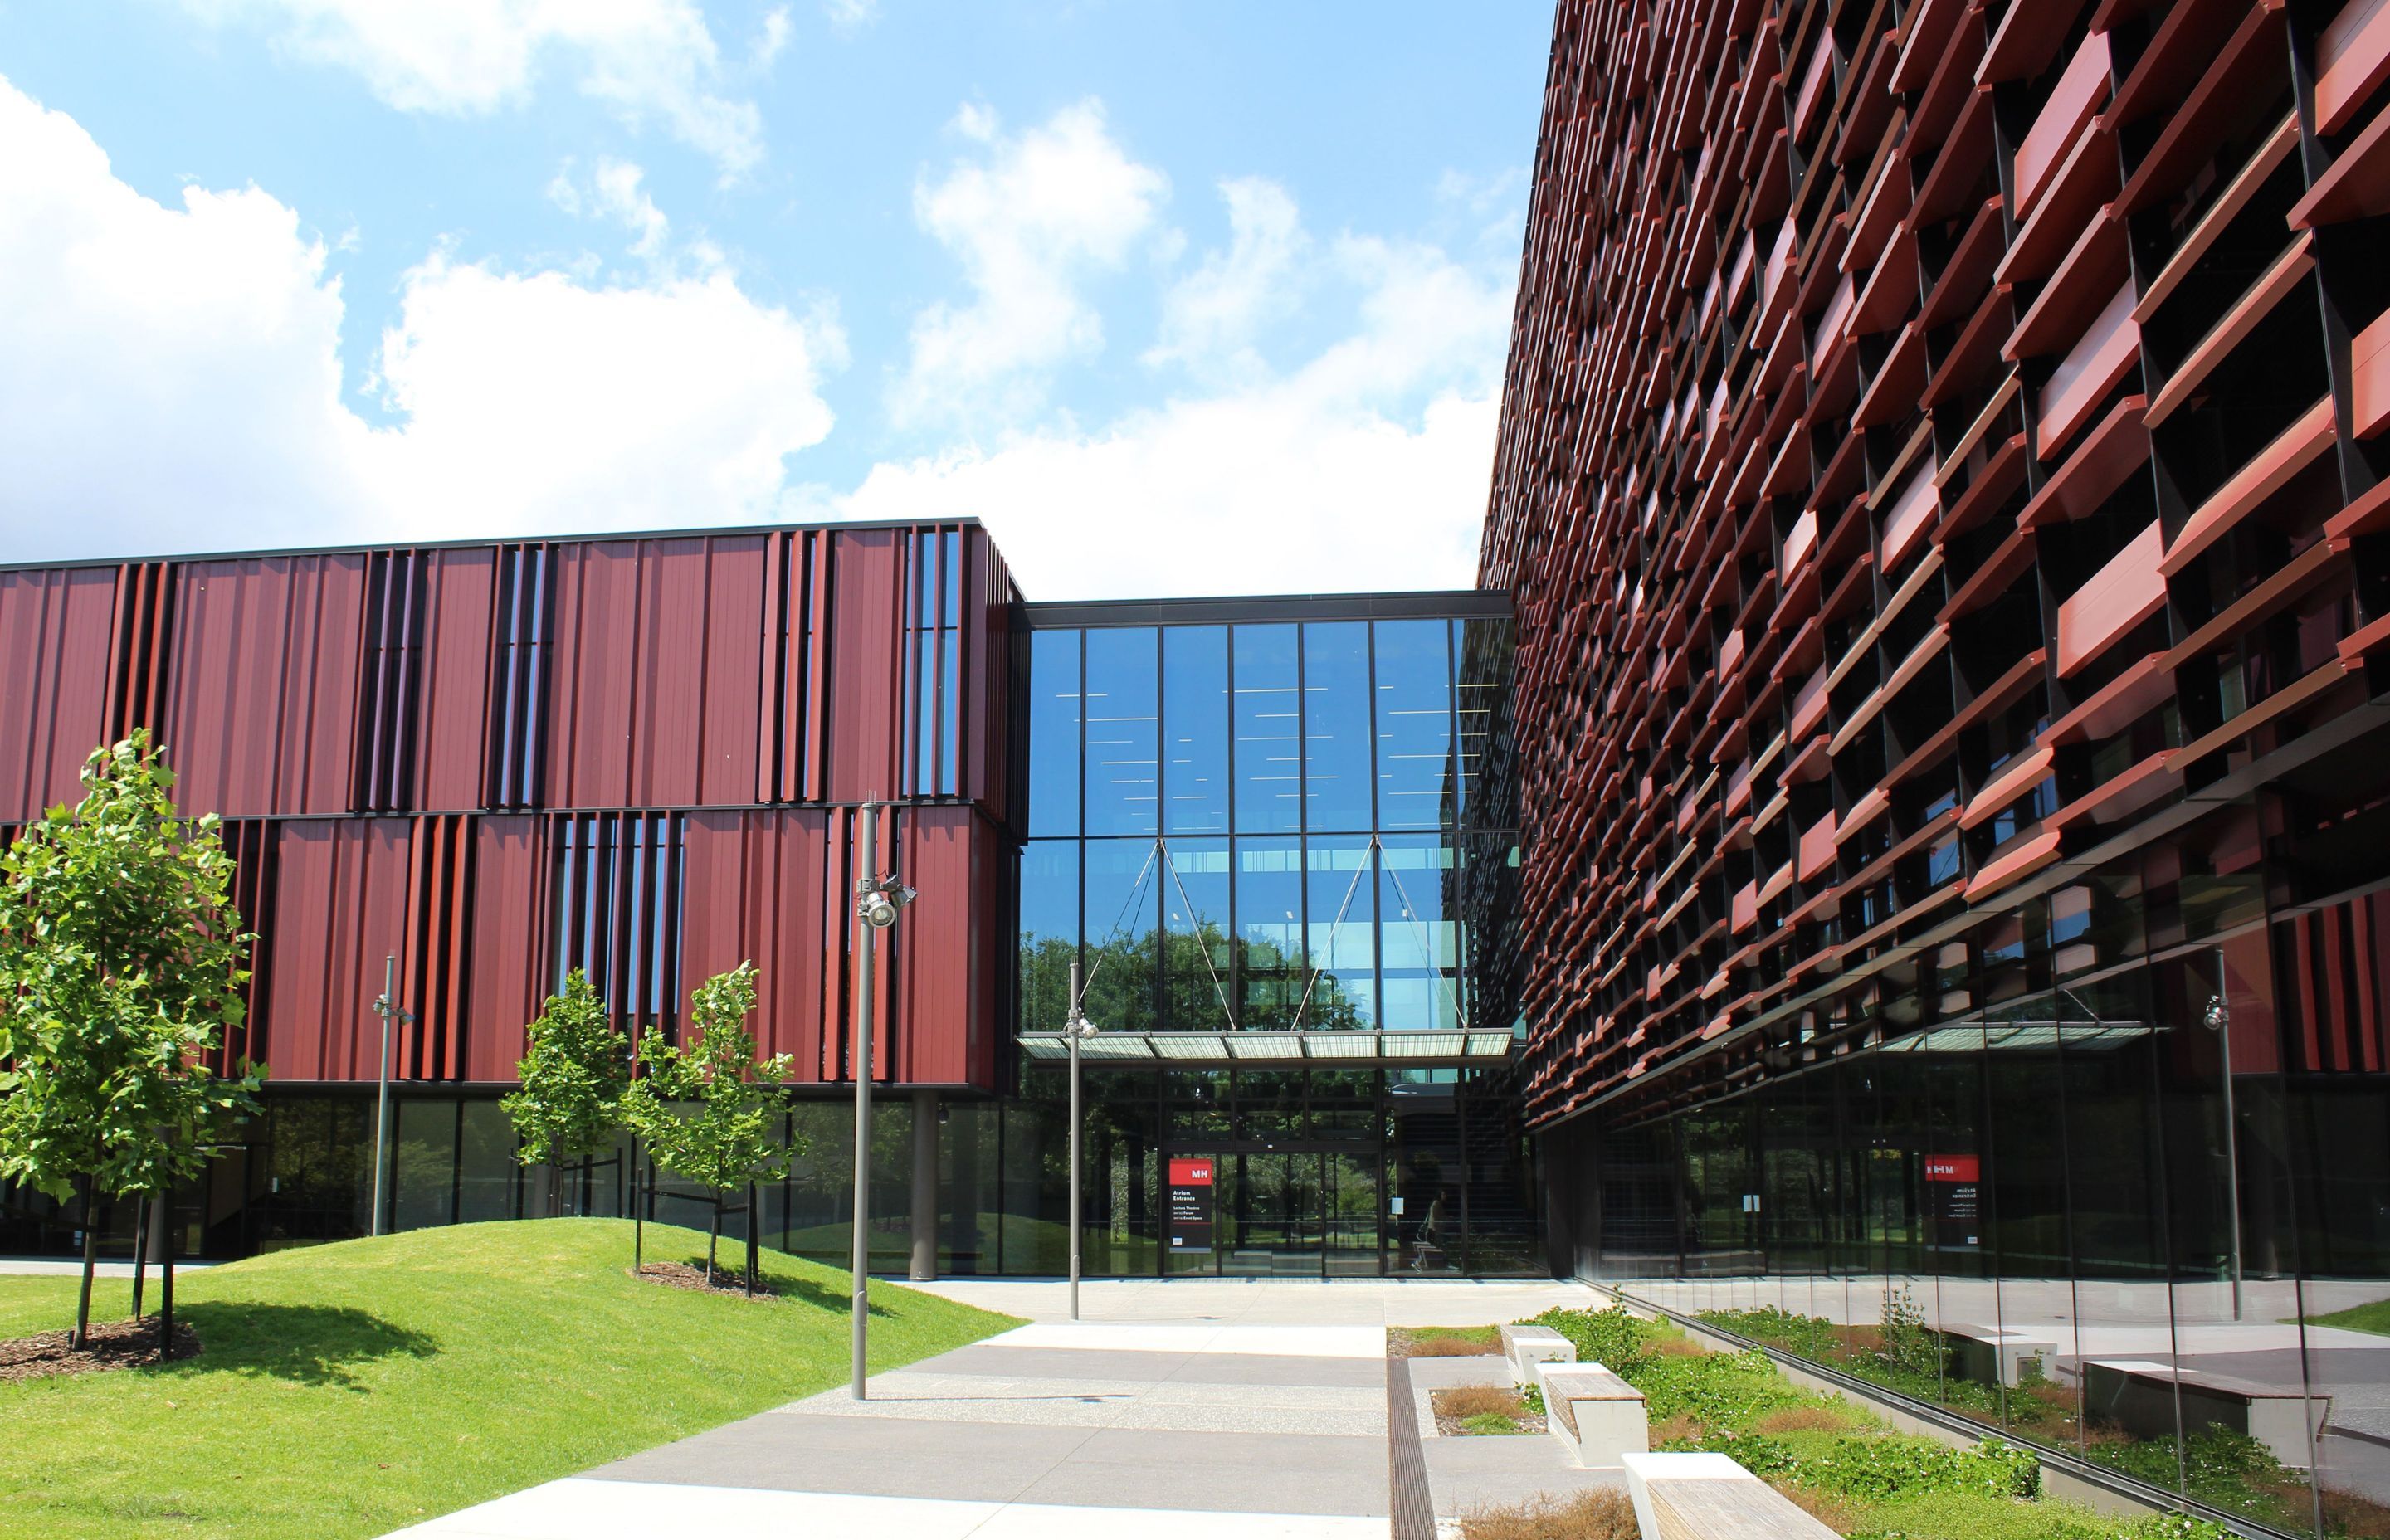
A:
(112, 1345)
(1450, 1425)
(684, 1275)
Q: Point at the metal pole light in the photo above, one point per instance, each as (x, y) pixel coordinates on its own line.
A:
(385, 1008)
(877, 900)
(1076, 1029)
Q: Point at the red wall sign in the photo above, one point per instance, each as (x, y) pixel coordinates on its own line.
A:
(1190, 1202)
(1953, 1168)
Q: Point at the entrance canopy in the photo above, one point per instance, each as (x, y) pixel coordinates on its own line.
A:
(1346, 1046)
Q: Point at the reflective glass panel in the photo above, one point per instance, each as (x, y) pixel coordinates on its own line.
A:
(1414, 722)
(1121, 766)
(1336, 725)
(1415, 934)
(1050, 931)
(1121, 930)
(1268, 743)
(1338, 884)
(1269, 930)
(1195, 918)
(1195, 728)
(1054, 732)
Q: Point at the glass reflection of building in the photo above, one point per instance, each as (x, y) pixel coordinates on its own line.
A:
(2114, 1157)
(1270, 825)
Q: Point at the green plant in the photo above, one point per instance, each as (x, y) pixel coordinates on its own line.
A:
(121, 963)
(1611, 1338)
(1810, 1336)
(1911, 1347)
(708, 1110)
(1880, 1470)
(1491, 1422)
(574, 1075)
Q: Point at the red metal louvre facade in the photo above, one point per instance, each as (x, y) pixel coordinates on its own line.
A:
(1942, 459)
(639, 755)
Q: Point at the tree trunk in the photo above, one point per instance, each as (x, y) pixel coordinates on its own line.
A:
(90, 1265)
(638, 1212)
(140, 1253)
(754, 1242)
(713, 1238)
(555, 1182)
(166, 1302)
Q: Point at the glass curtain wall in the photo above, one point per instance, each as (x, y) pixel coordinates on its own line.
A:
(2133, 1214)
(1241, 827)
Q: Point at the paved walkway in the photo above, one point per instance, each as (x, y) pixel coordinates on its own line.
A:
(1199, 1408)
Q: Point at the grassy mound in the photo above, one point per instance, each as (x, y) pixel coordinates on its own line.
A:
(347, 1389)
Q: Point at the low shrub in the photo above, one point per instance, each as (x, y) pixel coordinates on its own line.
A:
(1611, 1338)
(1600, 1515)
(1883, 1470)
(1467, 1401)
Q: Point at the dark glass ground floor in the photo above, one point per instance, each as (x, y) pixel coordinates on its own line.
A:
(1319, 1175)
(2138, 1215)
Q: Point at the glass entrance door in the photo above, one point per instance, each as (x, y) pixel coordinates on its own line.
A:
(1293, 1214)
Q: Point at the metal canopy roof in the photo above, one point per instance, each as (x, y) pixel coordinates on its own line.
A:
(1343, 1047)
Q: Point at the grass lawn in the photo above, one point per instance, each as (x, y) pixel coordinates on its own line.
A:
(349, 1389)
(2373, 1316)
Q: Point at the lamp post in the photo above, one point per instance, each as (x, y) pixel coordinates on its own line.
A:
(878, 901)
(385, 1006)
(1076, 1029)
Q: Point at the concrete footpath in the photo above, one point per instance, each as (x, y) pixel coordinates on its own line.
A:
(1216, 1409)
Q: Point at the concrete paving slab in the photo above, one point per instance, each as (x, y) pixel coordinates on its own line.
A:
(1252, 1369)
(578, 1509)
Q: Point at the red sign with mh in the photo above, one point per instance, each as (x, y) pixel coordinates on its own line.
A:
(1190, 1173)
(1953, 1168)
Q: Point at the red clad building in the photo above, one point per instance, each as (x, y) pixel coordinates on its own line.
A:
(1942, 483)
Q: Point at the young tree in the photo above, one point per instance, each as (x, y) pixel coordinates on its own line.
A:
(121, 961)
(707, 1108)
(574, 1076)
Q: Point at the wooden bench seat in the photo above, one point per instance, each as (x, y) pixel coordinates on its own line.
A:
(1711, 1498)
(1597, 1416)
(1526, 1346)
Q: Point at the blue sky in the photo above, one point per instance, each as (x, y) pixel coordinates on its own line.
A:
(1178, 298)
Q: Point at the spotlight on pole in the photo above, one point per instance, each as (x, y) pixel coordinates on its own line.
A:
(878, 902)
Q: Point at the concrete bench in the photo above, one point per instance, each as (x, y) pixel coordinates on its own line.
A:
(1711, 1498)
(1990, 1356)
(1526, 1346)
(1597, 1416)
(2139, 1395)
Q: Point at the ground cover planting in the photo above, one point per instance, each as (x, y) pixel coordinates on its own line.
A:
(1833, 1458)
(349, 1389)
(2223, 1469)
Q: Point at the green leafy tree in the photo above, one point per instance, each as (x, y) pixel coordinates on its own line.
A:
(708, 1111)
(121, 962)
(574, 1075)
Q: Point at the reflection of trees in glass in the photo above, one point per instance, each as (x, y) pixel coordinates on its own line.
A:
(1118, 986)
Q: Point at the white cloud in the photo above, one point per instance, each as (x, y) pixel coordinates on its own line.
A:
(848, 16)
(1210, 318)
(1365, 468)
(1030, 217)
(642, 58)
(614, 192)
(171, 381)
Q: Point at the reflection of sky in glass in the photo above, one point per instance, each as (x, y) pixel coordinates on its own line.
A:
(1414, 719)
(1195, 728)
(1269, 738)
(1123, 779)
(1336, 725)
(1197, 731)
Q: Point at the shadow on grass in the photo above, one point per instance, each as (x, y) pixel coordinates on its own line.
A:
(785, 1286)
(309, 1345)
